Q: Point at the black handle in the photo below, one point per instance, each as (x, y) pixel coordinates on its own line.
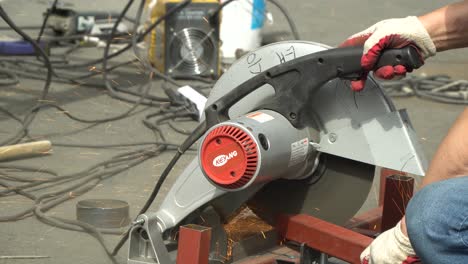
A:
(407, 56)
(296, 80)
(349, 60)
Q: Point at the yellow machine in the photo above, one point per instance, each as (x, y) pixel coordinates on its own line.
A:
(187, 43)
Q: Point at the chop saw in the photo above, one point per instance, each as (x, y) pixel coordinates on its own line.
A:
(285, 134)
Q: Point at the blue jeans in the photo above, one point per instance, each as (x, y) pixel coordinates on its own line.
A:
(437, 222)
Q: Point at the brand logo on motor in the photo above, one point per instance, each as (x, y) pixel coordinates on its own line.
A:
(222, 159)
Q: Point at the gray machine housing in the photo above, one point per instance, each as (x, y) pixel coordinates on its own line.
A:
(283, 150)
(364, 127)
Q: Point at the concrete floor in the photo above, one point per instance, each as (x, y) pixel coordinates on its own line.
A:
(328, 22)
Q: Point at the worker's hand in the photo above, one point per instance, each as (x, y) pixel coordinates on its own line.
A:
(386, 34)
(390, 247)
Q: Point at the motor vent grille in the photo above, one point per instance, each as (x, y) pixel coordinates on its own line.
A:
(229, 157)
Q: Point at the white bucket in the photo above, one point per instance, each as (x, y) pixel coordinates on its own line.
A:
(241, 25)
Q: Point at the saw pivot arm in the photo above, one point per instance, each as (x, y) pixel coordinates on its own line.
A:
(297, 80)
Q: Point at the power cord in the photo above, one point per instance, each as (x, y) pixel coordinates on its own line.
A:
(48, 80)
(438, 88)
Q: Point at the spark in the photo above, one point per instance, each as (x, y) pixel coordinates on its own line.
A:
(203, 219)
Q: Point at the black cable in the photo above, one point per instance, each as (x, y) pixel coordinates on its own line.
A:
(215, 13)
(89, 172)
(107, 83)
(179, 130)
(69, 193)
(120, 160)
(197, 133)
(8, 78)
(48, 80)
(288, 17)
(59, 77)
(26, 27)
(143, 61)
(436, 88)
(82, 37)
(46, 18)
(141, 37)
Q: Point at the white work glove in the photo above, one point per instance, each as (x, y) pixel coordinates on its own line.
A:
(390, 247)
(387, 34)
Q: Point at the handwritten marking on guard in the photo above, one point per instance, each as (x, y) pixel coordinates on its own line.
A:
(254, 63)
(287, 55)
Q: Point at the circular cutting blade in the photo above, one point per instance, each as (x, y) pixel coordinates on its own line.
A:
(337, 195)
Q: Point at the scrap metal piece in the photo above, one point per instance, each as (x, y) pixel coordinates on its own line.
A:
(105, 213)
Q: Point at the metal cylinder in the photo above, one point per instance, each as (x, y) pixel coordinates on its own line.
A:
(104, 213)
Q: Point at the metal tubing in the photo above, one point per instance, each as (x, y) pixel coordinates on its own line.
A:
(398, 192)
(325, 237)
(194, 244)
(384, 173)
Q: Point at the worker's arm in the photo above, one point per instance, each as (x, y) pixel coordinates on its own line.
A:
(451, 158)
(442, 29)
(448, 26)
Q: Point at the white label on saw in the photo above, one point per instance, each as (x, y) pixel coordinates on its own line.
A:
(299, 150)
(260, 117)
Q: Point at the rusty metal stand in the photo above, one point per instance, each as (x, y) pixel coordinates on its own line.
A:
(323, 236)
(345, 243)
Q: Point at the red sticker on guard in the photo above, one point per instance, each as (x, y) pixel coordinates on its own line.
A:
(260, 117)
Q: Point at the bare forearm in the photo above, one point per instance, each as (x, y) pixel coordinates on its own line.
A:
(448, 26)
(451, 158)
